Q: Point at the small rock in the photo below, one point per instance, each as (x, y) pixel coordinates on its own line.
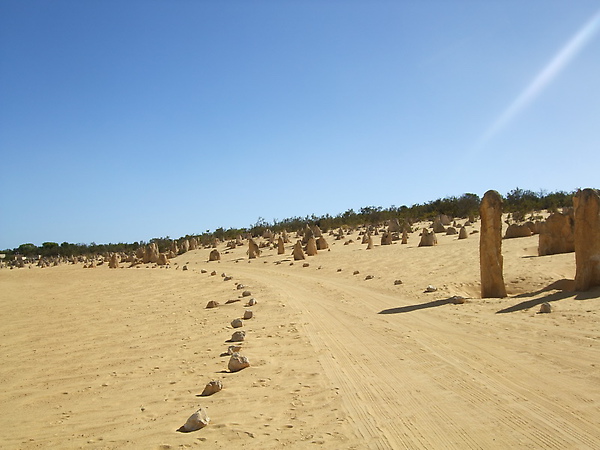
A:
(248, 314)
(545, 308)
(305, 265)
(397, 282)
(212, 387)
(196, 421)
(227, 278)
(238, 336)
(236, 323)
(339, 270)
(233, 349)
(240, 286)
(213, 273)
(252, 302)
(430, 288)
(203, 270)
(233, 300)
(237, 362)
(356, 272)
(458, 300)
(212, 304)
(369, 277)
(246, 294)
(184, 268)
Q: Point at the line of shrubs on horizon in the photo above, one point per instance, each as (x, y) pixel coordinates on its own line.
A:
(518, 202)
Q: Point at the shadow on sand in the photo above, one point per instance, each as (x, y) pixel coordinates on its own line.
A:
(410, 308)
(566, 288)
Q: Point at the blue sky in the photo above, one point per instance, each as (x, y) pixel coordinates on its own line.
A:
(121, 121)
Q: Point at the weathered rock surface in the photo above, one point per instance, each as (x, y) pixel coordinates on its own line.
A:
(394, 226)
(196, 421)
(322, 243)
(490, 246)
(233, 349)
(253, 250)
(545, 308)
(427, 239)
(557, 234)
(114, 261)
(212, 387)
(515, 230)
(151, 253)
(298, 252)
(386, 238)
(404, 237)
(238, 336)
(237, 362)
(311, 247)
(438, 227)
(214, 255)
(163, 260)
(587, 239)
(458, 299)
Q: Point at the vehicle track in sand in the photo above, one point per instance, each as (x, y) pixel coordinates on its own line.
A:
(432, 379)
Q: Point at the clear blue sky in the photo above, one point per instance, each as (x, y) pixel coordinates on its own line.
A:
(126, 120)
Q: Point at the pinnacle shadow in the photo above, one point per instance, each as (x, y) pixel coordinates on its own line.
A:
(553, 297)
(410, 308)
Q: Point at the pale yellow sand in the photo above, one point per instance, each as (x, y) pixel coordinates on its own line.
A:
(100, 358)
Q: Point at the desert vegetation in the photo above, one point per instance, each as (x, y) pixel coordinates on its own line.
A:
(518, 202)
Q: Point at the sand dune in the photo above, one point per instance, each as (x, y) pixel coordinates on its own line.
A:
(101, 358)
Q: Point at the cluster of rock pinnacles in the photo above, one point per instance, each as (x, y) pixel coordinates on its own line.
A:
(577, 229)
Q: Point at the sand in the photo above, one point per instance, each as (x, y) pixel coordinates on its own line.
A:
(117, 358)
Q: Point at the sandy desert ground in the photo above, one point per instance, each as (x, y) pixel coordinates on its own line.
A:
(117, 358)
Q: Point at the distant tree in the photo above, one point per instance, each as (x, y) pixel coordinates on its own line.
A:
(49, 249)
(28, 250)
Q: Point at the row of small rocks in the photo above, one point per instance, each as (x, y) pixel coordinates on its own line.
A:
(237, 361)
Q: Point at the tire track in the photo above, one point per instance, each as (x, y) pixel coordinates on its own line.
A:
(391, 374)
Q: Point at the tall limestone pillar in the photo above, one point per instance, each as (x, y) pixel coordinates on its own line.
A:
(490, 246)
(587, 239)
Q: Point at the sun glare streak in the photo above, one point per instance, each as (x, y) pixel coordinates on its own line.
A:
(545, 77)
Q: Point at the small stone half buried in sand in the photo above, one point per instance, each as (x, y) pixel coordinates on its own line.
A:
(212, 304)
(237, 362)
(236, 323)
(252, 302)
(196, 421)
(457, 300)
(430, 288)
(212, 387)
(248, 314)
(246, 294)
(233, 349)
(545, 308)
